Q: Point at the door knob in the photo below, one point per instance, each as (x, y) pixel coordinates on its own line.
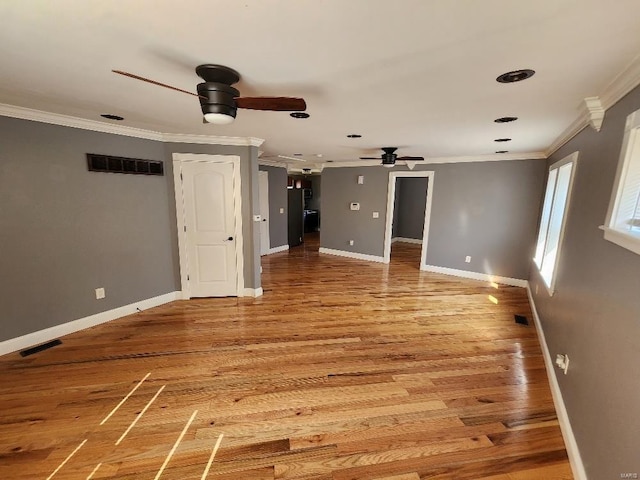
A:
(264, 219)
(229, 239)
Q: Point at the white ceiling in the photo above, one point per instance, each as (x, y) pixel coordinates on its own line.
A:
(419, 74)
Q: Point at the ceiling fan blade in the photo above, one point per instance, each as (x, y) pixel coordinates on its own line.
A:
(282, 104)
(369, 158)
(153, 82)
(413, 159)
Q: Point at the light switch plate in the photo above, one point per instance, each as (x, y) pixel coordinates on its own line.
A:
(282, 210)
(376, 214)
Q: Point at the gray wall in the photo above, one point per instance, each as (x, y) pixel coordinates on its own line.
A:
(277, 200)
(250, 201)
(594, 315)
(339, 224)
(409, 211)
(65, 231)
(316, 187)
(484, 209)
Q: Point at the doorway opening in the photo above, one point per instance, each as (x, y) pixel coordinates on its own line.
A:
(304, 210)
(409, 198)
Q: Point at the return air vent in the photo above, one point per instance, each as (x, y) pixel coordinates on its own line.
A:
(105, 163)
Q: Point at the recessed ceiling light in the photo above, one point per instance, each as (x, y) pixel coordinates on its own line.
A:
(110, 116)
(299, 114)
(515, 76)
(354, 135)
(319, 155)
(505, 119)
(502, 151)
(502, 140)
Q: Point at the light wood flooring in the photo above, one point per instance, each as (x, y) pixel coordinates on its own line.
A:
(343, 370)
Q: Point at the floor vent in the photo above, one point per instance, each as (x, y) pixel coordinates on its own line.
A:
(521, 319)
(39, 348)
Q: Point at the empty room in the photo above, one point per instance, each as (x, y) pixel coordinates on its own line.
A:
(319, 240)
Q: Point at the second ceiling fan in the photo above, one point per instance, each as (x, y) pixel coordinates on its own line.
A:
(389, 157)
(219, 101)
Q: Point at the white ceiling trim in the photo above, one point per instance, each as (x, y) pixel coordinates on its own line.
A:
(75, 122)
(464, 159)
(97, 126)
(212, 140)
(613, 92)
(571, 131)
(271, 163)
(622, 84)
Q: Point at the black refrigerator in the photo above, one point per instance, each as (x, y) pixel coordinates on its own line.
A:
(295, 220)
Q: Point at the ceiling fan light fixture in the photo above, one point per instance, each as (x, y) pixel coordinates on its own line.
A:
(218, 118)
(388, 165)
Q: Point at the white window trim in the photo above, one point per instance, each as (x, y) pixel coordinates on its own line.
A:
(627, 240)
(573, 158)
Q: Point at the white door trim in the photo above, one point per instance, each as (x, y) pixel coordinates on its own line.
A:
(391, 194)
(178, 160)
(263, 181)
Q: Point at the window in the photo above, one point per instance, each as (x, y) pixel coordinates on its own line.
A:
(623, 218)
(552, 221)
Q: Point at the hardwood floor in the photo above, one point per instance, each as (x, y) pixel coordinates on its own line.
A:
(342, 370)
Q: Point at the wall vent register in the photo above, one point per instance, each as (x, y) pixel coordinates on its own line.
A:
(134, 166)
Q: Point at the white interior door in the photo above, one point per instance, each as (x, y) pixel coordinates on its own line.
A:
(265, 243)
(209, 216)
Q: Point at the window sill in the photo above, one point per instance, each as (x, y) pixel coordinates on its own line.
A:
(625, 240)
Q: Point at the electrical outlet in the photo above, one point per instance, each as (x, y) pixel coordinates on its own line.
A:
(467, 259)
(360, 179)
(100, 293)
(562, 361)
(282, 210)
(351, 242)
(376, 214)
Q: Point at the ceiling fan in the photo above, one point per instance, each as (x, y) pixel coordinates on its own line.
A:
(389, 157)
(219, 100)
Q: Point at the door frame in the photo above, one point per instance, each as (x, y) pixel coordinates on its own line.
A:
(264, 215)
(178, 160)
(391, 194)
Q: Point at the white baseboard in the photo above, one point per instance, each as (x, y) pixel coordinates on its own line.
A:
(407, 240)
(252, 292)
(516, 282)
(41, 336)
(573, 452)
(357, 256)
(281, 248)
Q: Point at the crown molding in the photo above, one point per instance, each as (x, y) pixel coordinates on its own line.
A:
(571, 131)
(622, 84)
(271, 163)
(212, 140)
(594, 112)
(103, 127)
(501, 157)
(76, 122)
